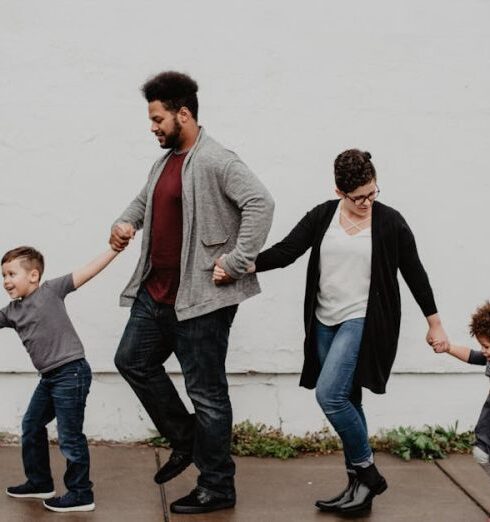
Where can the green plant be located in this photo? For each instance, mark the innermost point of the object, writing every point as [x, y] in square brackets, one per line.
[433, 442]
[259, 440]
[8, 438]
[158, 442]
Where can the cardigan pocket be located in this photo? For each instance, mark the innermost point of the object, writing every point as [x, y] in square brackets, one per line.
[212, 249]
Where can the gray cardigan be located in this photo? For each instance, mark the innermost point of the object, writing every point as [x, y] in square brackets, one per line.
[226, 210]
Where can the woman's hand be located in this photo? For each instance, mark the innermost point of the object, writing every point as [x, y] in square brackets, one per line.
[436, 336]
[440, 347]
[220, 277]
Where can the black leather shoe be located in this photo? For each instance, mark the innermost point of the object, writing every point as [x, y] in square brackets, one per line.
[201, 500]
[332, 504]
[174, 466]
[368, 484]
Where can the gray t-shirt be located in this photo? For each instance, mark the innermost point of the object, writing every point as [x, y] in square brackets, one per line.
[477, 357]
[43, 324]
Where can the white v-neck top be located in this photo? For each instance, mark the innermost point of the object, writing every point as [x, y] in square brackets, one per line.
[345, 274]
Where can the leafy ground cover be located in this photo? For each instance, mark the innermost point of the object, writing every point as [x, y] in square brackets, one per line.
[259, 440]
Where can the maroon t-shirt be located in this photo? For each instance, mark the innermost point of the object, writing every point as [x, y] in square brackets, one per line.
[166, 233]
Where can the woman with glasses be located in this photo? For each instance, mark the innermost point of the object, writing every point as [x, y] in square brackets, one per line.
[352, 309]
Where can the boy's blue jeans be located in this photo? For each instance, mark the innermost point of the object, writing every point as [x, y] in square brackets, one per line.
[338, 349]
[61, 394]
[200, 344]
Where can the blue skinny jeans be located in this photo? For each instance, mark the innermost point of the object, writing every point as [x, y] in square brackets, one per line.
[338, 349]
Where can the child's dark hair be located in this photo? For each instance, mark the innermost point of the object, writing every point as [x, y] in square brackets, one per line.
[175, 90]
[480, 321]
[353, 168]
[30, 258]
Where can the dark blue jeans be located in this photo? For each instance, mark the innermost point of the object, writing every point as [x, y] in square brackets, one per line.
[200, 344]
[61, 394]
[338, 349]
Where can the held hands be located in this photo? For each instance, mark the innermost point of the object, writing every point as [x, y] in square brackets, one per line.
[121, 234]
[439, 347]
[437, 338]
[220, 277]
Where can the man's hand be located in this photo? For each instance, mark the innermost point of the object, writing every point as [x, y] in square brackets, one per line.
[121, 234]
[220, 277]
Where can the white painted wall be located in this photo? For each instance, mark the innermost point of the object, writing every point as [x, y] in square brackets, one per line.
[113, 413]
[287, 88]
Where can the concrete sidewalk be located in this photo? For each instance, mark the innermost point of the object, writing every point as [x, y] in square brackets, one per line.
[269, 490]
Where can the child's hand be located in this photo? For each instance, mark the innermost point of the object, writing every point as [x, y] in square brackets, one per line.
[440, 347]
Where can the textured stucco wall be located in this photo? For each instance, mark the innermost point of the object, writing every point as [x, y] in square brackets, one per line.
[287, 87]
[113, 412]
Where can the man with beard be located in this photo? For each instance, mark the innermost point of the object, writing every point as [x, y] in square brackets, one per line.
[199, 202]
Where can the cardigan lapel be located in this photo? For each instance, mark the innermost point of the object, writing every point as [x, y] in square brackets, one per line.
[329, 214]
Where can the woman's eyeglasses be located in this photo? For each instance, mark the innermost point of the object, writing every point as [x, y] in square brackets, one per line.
[360, 200]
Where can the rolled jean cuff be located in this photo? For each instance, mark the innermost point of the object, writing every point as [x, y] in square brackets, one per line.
[365, 462]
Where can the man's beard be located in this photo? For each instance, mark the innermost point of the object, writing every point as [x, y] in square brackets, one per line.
[173, 139]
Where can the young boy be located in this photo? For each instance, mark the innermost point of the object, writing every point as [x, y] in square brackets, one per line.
[39, 316]
[479, 328]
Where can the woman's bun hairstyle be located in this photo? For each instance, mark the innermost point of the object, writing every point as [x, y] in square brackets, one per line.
[353, 169]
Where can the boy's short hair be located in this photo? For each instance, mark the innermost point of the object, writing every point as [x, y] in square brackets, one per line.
[30, 258]
[480, 321]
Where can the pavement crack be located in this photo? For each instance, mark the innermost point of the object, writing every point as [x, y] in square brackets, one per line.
[463, 489]
[163, 496]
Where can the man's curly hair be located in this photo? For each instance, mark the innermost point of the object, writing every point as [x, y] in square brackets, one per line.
[353, 168]
[174, 89]
[480, 321]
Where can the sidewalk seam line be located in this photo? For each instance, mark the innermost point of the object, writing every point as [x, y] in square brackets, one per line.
[163, 496]
[466, 492]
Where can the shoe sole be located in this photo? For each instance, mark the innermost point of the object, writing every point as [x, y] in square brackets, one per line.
[176, 473]
[43, 496]
[191, 510]
[328, 509]
[85, 507]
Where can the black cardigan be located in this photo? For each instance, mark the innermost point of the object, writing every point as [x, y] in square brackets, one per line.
[393, 248]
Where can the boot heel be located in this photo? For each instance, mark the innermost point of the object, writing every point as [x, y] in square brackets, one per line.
[382, 486]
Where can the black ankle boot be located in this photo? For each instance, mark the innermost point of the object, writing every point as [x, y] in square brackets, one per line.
[368, 484]
[332, 504]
